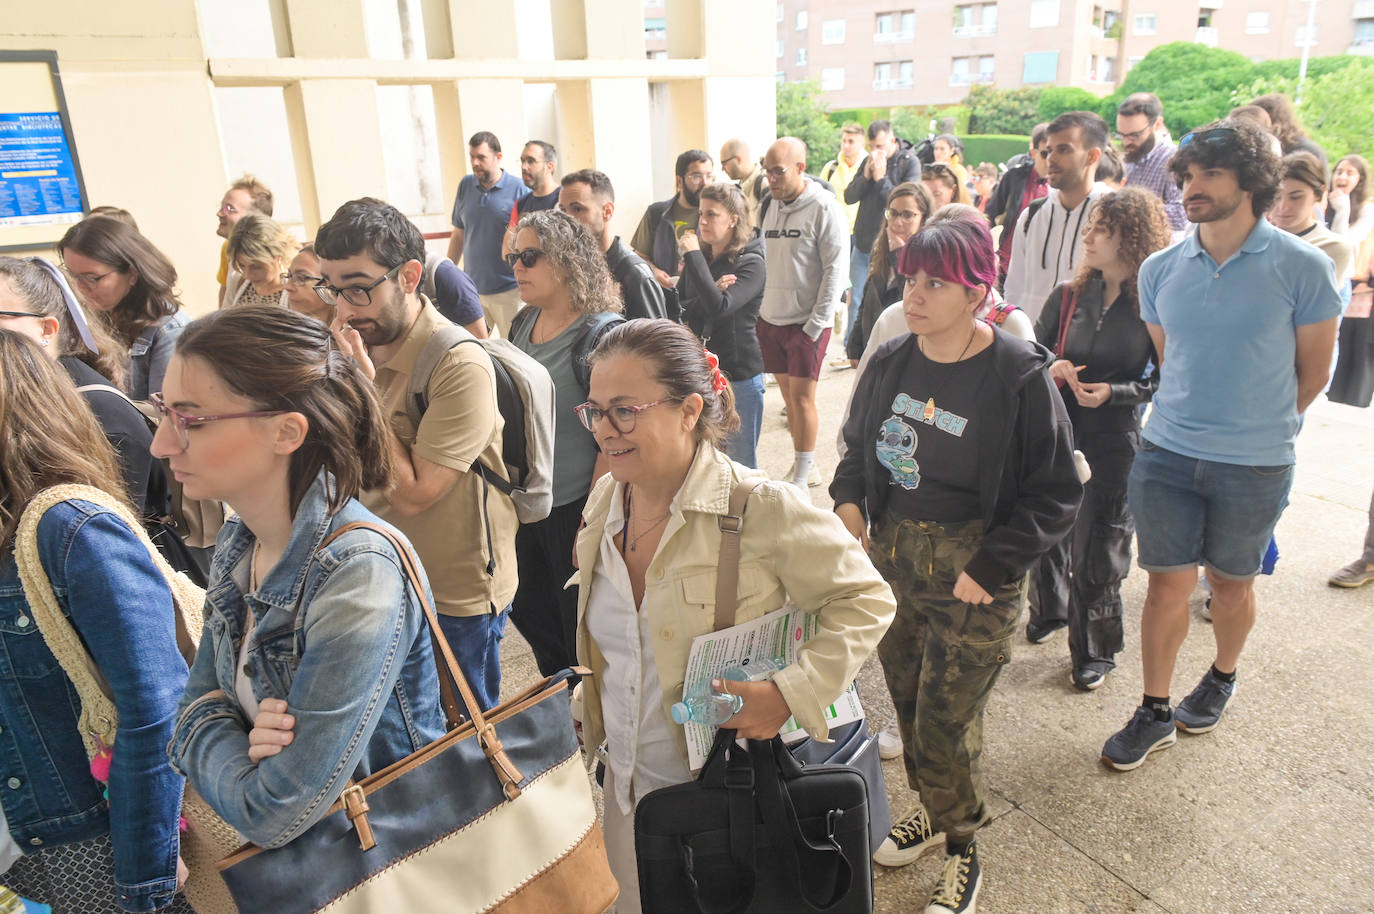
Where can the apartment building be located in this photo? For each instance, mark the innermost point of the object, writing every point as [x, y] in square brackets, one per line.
[874, 53]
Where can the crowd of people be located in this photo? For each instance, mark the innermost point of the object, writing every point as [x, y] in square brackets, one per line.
[1008, 326]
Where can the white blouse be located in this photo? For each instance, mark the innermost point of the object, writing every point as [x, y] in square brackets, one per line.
[642, 745]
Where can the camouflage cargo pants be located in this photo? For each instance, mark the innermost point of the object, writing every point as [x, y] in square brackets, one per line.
[941, 658]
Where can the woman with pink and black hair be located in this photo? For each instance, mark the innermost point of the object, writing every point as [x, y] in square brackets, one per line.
[958, 476]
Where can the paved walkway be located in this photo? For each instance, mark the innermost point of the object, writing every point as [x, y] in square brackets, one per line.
[1272, 812]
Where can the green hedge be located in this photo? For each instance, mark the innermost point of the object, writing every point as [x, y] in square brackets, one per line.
[992, 147]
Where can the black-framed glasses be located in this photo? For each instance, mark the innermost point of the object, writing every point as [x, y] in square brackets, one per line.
[357, 296]
[300, 278]
[87, 279]
[1215, 136]
[20, 314]
[526, 258]
[622, 418]
[896, 215]
[1134, 136]
[183, 423]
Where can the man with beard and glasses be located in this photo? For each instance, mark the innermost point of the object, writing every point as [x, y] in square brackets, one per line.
[481, 215]
[656, 238]
[538, 169]
[1243, 318]
[1145, 146]
[463, 529]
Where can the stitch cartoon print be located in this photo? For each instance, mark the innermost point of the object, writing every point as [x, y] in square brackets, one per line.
[896, 449]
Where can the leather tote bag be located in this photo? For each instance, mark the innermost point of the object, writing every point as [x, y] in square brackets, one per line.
[756, 833]
[496, 815]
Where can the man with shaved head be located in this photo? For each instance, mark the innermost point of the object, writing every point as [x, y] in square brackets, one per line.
[745, 171]
[806, 250]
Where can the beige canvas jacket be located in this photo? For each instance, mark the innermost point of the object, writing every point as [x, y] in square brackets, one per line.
[788, 548]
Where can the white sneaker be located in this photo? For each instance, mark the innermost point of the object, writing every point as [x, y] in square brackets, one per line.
[814, 478]
[889, 744]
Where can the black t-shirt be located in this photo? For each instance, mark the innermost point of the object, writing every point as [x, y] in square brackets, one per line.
[932, 454]
[534, 204]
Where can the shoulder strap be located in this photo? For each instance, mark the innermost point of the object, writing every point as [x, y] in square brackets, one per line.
[1032, 208]
[1068, 304]
[763, 208]
[506, 773]
[727, 570]
[417, 391]
[586, 341]
[109, 389]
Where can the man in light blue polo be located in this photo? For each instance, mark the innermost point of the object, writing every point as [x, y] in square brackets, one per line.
[481, 213]
[1244, 316]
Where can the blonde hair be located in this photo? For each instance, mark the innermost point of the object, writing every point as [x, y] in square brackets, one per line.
[258, 239]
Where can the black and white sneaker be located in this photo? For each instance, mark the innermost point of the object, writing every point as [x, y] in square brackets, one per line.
[957, 892]
[909, 839]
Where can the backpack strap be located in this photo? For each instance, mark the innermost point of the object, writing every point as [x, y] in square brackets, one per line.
[1031, 209]
[727, 567]
[1068, 304]
[587, 340]
[417, 391]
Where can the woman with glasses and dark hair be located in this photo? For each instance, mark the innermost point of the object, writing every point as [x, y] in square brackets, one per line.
[132, 286]
[721, 289]
[943, 184]
[563, 279]
[315, 667]
[958, 475]
[909, 205]
[67, 839]
[648, 559]
[1102, 351]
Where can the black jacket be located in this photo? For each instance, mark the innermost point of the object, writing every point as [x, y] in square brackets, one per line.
[871, 307]
[726, 320]
[871, 196]
[1006, 196]
[1114, 347]
[1028, 486]
[639, 290]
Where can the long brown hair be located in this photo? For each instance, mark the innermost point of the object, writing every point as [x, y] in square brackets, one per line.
[123, 248]
[280, 359]
[731, 198]
[878, 266]
[1137, 217]
[1360, 194]
[37, 288]
[48, 435]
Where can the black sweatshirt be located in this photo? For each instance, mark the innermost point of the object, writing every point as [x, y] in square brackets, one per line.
[726, 320]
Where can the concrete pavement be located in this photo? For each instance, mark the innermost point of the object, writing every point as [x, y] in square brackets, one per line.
[1271, 812]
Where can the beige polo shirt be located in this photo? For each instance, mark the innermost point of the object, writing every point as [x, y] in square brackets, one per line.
[461, 426]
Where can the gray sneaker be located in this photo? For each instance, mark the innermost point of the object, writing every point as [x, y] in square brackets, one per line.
[1128, 747]
[1356, 574]
[1201, 711]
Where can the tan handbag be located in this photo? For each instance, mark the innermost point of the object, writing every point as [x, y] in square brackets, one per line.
[209, 837]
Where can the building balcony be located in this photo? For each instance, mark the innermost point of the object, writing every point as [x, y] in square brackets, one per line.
[974, 31]
[1361, 48]
[887, 85]
[969, 79]
[1206, 36]
[892, 37]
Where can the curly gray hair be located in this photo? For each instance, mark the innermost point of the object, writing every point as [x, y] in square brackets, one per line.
[576, 259]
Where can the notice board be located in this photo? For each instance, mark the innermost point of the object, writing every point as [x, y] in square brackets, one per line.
[41, 189]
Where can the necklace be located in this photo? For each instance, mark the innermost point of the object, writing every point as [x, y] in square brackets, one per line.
[625, 538]
[929, 413]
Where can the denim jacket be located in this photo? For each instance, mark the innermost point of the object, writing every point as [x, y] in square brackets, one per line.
[150, 353]
[341, 637]
[117, 600]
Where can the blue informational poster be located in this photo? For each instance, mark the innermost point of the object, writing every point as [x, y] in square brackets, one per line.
[38, 183]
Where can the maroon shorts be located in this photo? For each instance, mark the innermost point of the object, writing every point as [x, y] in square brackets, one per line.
[788, 350]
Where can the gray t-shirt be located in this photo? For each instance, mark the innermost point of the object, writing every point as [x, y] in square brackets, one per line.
[574, 449]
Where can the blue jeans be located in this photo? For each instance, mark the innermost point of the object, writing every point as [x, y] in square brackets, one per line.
[476, 643]
[1190, 511]
[742, 446]
[858, 277]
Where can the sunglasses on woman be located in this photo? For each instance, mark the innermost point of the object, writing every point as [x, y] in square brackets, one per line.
[527, 258]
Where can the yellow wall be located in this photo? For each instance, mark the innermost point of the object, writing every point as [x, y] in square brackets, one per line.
[140, 91]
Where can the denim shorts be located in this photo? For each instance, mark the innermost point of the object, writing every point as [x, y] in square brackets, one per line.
[1190, 511]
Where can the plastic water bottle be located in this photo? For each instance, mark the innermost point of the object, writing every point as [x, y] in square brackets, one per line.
[702, 704]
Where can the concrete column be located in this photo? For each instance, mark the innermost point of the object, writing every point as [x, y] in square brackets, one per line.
[497, 105]
[482, 30]
[327, 28]
[610, 29]
[338, 158]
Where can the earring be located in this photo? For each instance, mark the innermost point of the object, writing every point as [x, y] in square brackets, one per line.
[45, 341]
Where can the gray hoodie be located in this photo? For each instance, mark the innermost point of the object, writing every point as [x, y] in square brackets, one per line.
[806, 249]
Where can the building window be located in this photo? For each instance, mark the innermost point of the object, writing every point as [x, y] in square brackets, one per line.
[1108, 72]
[905, 72]
[1257, 23]
[959, 74]
[801, 20]
[986, 68]
[780, 12]
[1364, 32]
[899, 25]
[893, 74]
[967, 70]
[801, 57]
[975, 19]
[655, 29]
[1145, 24]
[1040, 67]
[832, 31]
[1044, 13]
[990, 17]
[832, 79]
[781, 52]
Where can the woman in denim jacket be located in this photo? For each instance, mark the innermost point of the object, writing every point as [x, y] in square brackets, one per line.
[315, 665]
[65, 844]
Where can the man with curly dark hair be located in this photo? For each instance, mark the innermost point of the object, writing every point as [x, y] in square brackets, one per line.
[1228, 308]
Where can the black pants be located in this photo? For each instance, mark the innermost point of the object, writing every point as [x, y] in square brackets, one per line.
[544, 612]
[1079, 580]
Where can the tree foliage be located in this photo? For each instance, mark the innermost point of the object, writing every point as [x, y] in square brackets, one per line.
[1056, 100]
[1193, 81]
[1006, 111]
[802, 114]
[1337, 107]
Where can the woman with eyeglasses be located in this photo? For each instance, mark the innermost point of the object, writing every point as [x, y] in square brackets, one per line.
[259, 250]
[648, 559]
[909, 205]
[944, 185]
[300, 280]
[67, 839]
[721, 290]
[315, 666]
[132, 287]
[571, 300]
[958, 475]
